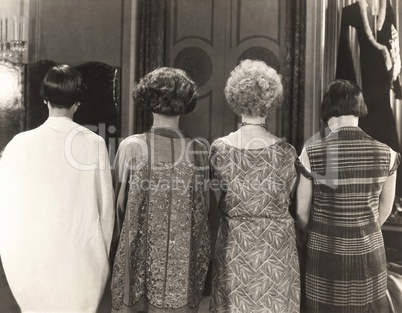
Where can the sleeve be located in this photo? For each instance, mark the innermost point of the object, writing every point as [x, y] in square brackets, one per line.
[293, 155]
[204, 162]
[200, 205]
[303, 164]
[201, 191]
[10, 177]
[217, 185]
[344, 62]
[105, 194]
[213, 161]
[6, 164]
[8, 303]
[292, 180]
[201, 179]
[120, 175]
[394, 167]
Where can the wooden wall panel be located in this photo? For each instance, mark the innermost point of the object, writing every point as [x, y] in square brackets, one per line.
[77, 31]
[208, 39]
[196, 44]
[198, 14]
[257, 19]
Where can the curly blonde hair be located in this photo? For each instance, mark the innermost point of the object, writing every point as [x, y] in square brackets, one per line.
[254, 89]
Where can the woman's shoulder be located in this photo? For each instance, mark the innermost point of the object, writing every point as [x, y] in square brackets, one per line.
[133, 143]
[376, 145]
[200, 144]
[134, 139]
[286, 149]
[221, 142]
[382, 149]
[285, 145]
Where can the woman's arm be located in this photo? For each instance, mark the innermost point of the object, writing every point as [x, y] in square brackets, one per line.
[105, 194]
[304, 192]
[303, 202]
[214, 183]
[388, 192]
[120, 174]
[387, 198]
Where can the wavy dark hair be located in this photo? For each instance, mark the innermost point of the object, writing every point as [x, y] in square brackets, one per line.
[62, 86]
[167, 91]
[342, 97]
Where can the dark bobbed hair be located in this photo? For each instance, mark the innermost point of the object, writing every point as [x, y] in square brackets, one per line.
[167, 91]
[62, 86]
[342, 97]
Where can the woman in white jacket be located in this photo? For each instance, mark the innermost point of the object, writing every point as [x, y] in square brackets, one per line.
[56, 212]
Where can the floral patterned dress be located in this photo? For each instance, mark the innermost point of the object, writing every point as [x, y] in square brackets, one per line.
[255, 267]
[162, 234]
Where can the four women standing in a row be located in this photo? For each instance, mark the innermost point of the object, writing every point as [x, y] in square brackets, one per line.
[56, 233]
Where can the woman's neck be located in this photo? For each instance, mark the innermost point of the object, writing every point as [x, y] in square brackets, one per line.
[252, 129]
[343, 121]
[62, 112]
[161, 120]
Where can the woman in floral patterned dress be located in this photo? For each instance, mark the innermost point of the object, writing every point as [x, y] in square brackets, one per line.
[255, 265]
[162, 234]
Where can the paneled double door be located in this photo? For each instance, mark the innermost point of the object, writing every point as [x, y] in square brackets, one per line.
[207, 39]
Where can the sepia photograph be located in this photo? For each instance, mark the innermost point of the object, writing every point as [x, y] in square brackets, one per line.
[200, 156]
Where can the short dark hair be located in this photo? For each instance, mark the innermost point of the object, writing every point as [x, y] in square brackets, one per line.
[62, 86]
[167, 91]
[342, 97]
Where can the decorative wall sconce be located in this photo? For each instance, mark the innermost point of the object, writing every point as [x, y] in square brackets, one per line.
[12, 48]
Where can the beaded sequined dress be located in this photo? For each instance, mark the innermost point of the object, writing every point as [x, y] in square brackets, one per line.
[255, 266]
[162, 232]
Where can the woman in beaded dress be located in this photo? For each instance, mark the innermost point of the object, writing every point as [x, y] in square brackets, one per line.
[161, 233]
[255, 266]
[345, 194]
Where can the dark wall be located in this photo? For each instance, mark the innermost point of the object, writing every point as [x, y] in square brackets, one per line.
[77, 31]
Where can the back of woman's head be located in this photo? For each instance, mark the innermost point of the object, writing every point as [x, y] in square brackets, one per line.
[62, 86]
[254, 89]
[167, 91]
[342, 97]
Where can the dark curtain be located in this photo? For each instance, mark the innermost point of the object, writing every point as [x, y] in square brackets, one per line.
[294, 73]
[100, 102]
[151, 48]
[293, 106]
